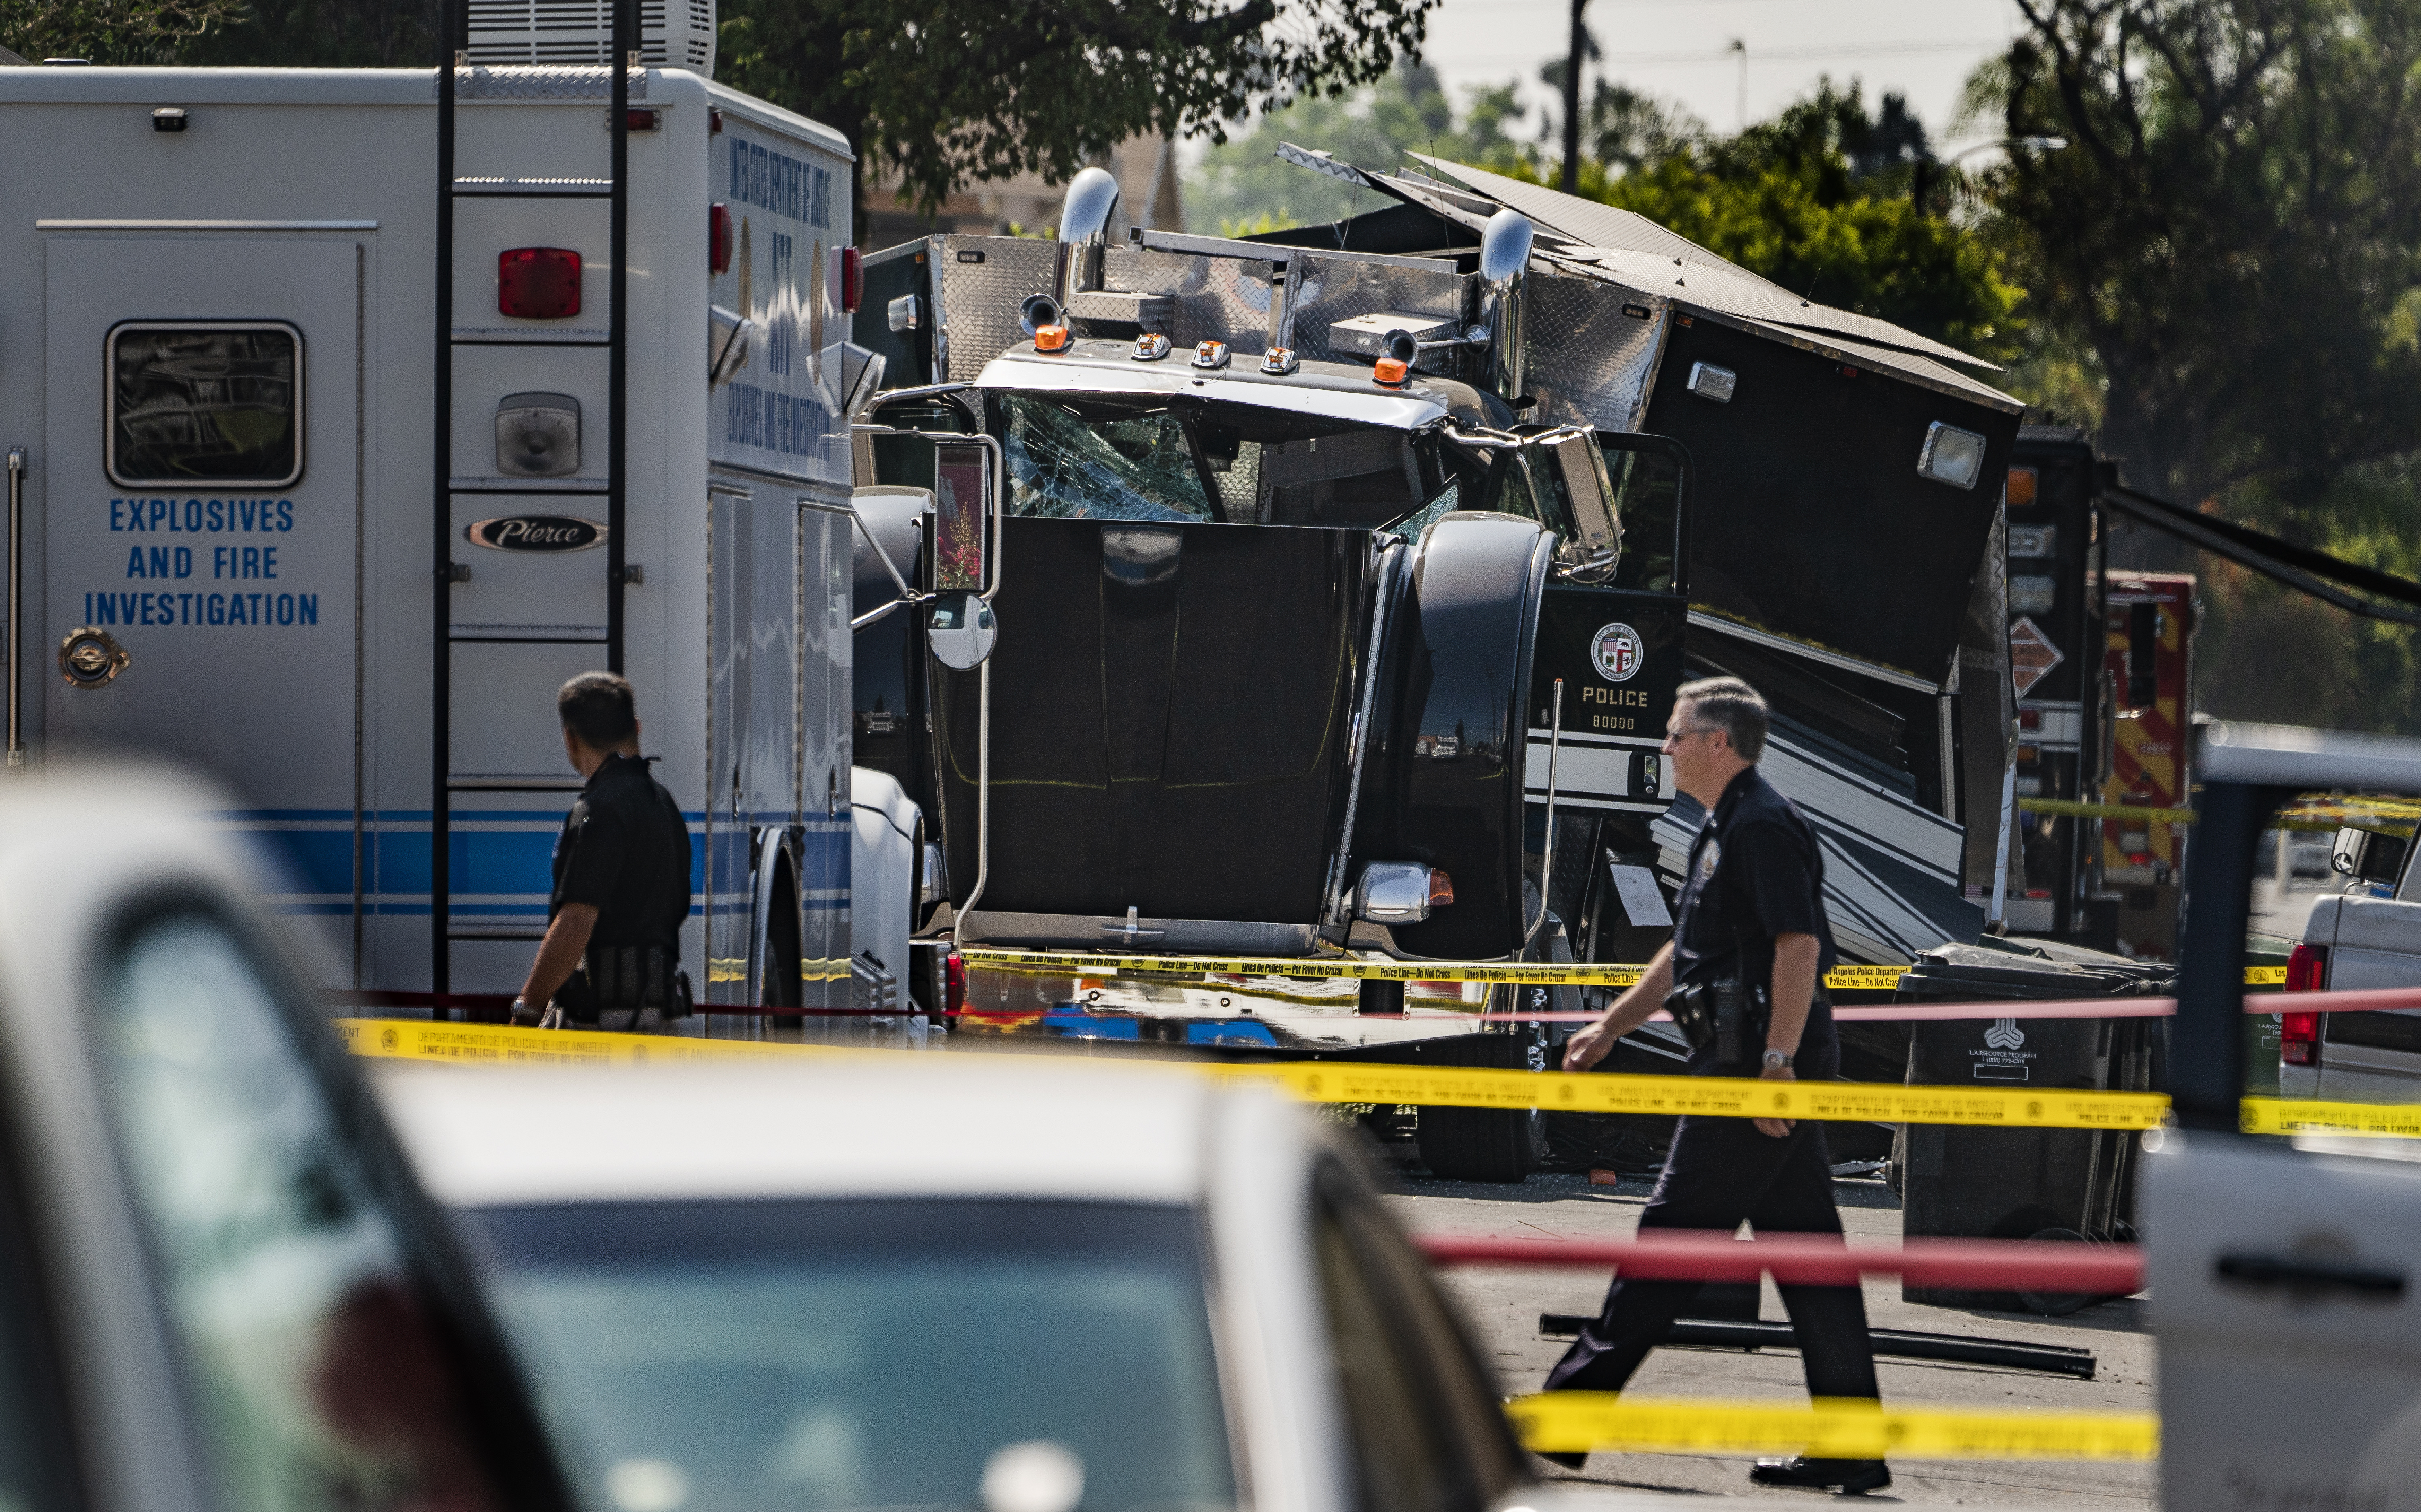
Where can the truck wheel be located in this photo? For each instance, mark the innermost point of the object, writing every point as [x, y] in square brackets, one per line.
[1483, 1144]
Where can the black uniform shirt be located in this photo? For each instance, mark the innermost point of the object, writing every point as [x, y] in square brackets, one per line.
[624, 851]
[1756, 873]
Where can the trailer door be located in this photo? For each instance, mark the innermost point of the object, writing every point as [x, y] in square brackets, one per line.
[200, 500]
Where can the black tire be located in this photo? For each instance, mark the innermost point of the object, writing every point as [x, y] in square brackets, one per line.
[782, 947]
[1483, 1144]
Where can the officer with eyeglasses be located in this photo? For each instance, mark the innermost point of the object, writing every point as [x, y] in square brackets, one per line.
[1743, 977]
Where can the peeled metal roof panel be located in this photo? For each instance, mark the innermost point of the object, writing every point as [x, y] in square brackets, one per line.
[1628, 235]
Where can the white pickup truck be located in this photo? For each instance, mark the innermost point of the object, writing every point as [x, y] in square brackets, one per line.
[2369, 936]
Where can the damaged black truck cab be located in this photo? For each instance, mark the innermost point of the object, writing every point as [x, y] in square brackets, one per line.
[1289, 640]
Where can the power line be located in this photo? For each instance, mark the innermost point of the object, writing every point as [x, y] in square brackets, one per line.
[1616, 60]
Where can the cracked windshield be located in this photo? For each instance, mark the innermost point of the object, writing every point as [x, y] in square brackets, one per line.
[1116, 458]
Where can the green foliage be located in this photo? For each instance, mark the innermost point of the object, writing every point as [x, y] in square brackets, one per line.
[2235, 230]
[1824, 199]
[1243, 184]
[945, 92]
[112, 31]
[2232, 241]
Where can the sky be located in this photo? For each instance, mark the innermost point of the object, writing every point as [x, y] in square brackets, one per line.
[1924, 48]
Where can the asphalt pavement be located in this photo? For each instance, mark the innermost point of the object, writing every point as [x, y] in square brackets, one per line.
[1503, 1304]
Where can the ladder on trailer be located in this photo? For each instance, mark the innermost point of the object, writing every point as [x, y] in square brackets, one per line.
[622, 64]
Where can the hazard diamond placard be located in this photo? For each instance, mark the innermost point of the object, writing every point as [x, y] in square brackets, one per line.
[2031, 653]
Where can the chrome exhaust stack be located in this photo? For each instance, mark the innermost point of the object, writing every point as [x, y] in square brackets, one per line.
[1084, 219]
[1504, 274]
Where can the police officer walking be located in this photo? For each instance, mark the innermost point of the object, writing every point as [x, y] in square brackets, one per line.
[1743, 976]
[611, 957]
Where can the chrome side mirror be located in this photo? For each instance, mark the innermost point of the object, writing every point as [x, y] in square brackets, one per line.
[962, 508]
[1594, 550]
[961, 628]
[2345, 854]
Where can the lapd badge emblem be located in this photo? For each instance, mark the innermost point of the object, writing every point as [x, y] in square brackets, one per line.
[1618, 652]
[1708, 857]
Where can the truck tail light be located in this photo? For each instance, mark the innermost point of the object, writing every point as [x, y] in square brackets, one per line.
[954, 984]
[852, 279]
[2299, 1034]
[2298, 1039]
[538, 283]
[2308, 969]
[718, 237]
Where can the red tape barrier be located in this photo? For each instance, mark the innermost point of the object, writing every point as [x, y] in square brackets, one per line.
[1975, 1264]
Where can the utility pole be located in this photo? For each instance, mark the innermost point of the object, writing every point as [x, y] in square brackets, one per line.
[1572, 101]
[1740, 47]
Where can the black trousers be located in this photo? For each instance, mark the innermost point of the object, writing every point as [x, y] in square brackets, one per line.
[1720, 1172]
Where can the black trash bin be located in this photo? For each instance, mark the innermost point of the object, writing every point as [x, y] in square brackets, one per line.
[2023, 1183]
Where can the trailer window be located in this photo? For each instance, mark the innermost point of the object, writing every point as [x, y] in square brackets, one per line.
[205, 402]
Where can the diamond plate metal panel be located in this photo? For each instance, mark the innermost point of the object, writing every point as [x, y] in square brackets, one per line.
[982, 300]
[1227, 299]
[1588, 362]
[540, 81]
[1218, 299]
[1336, 289]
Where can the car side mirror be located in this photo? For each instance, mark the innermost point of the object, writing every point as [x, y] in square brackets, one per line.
[1594, 549]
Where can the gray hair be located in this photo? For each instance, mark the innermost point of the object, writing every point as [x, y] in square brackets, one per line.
[1730, 705]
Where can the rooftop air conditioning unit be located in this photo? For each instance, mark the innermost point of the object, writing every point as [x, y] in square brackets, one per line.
[672, 34]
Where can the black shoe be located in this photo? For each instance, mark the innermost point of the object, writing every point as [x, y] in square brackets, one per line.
[1566, 1457]
[1849, 1476]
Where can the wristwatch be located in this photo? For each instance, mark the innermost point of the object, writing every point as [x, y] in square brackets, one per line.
[1779, 1060]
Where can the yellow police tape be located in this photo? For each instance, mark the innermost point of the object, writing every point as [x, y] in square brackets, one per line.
[479, 1044]
[1833, 1428]
[1861, 978]
[1709, 1096]
[2293, 1115]
[1352, 1082]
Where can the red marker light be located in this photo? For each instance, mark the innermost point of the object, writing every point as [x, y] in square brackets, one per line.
[718, 237]
[538, 283]
[852, 279]
[954, 984]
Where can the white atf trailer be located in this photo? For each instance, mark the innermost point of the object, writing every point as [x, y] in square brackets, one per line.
[281, 520]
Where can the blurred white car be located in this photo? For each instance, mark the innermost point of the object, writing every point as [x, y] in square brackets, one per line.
[220, 1291]
[877, 1283]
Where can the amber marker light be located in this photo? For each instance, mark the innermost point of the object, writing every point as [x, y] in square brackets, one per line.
[1051, 338]
[1391, 371]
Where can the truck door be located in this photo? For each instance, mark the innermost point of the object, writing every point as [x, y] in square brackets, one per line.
[201, 498]
[2288, 1324]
